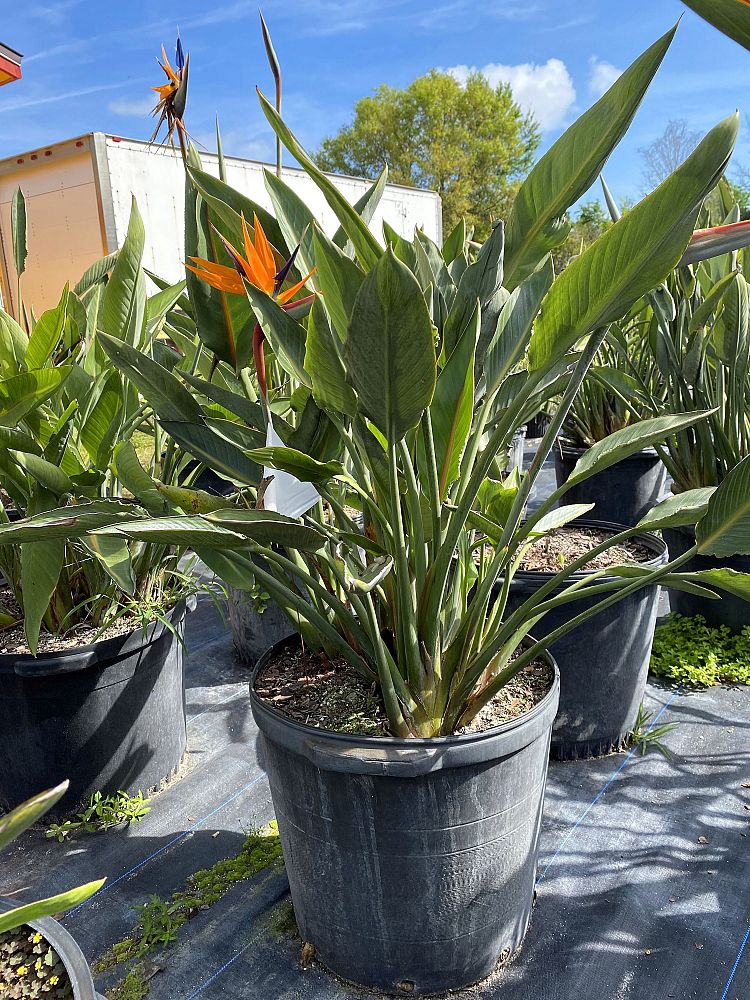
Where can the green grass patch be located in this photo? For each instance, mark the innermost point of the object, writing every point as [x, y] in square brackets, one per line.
[687, 651]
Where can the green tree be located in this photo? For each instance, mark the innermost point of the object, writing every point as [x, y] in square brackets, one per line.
[469, 141]
[587, 225]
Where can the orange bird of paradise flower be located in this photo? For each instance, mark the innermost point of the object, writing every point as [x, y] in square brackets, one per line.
[173, 94]
[258, 266]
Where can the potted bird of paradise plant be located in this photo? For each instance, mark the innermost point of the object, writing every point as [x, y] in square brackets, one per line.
[406, 726]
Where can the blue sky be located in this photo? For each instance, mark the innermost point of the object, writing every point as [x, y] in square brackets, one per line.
[88, 65]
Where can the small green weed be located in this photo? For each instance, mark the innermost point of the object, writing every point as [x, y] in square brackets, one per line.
[687, 651]
[133, 986]
[102, 813]
[644, 739]
[160, 920]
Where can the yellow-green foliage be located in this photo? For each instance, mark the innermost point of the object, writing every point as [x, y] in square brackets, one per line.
[688, 651]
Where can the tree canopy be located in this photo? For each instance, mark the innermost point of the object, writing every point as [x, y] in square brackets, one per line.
[470, 142]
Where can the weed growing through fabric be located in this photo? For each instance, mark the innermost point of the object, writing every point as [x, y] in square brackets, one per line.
[644, 739]
[160, 919]
[688, 651]
[102, 813]
[133, 986]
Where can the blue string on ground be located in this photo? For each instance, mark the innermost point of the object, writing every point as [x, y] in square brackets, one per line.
[733, 973]
[175, 840]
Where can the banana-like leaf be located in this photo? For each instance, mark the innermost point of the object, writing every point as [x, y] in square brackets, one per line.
[634, 255]
[102, 425]
[47, 333]
[134, 478]
[13, 343]
[724, 530]
[124, 303]
[365, 207]
[732, 17]
[686, 582]
[247, 410]
[284, 334]
[681, 509]
[366, 246]
[230, 205]
[49, 476]
[94, 274]
[324, 366]
[166, 394]
[514, 324]
[295, 220]
[18, 230]
[724, 578]
[182, 531]
[67, 522]
[559, 516]
[390, 353]
[214, 451]
[297, 464]
[453, 404]
[340, 280]
[455, 242]
[48, 907]
[537, 220]
[265, 527]
[192, 501]
[628, 441]
[14, 823]
[41, 565]
[114, 556]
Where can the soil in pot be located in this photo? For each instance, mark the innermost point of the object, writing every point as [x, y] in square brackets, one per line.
[411, 863]
[604, 661]
[327, 693]
[31, 968]
[623, 493]
[108, 715]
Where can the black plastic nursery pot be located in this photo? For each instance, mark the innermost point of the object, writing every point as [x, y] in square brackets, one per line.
[603, 662]
[729, 610]
[107, 716]
[623, 493]
[70, 954]
[411, 863]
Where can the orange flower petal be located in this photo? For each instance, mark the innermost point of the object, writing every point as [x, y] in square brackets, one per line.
[289, 292]
[261, 278]
[264, 247]
[168, 69]
[231, 282]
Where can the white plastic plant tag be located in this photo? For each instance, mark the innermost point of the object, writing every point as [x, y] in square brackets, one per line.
[285, 494]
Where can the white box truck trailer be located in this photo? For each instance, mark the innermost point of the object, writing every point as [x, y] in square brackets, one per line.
[78, 195]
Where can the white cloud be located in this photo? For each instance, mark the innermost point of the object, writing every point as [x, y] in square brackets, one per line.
[546, 90]
[602, 75]
[132, 108]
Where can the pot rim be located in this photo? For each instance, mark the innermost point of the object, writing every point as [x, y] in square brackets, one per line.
[66, 947]
[568, 448]
[99, 652]
[400, 756]
[648, 538]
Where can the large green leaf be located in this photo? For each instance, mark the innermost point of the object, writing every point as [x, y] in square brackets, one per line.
[181, 531]
[514, 324]
[340, 280]
[47, 907]
[297, 464]
[114, 556]
[324, 366]
[103, 422]
[681, 509]
[266, 527]
[634, 255]
[165, 393]
[537, 221]
[94, 274]
[366, 246]
[390, 351]
[246, 409]
[214, 451]
[724, 530]
[295, 219]
[453, 404]
[724, 578]
[47, 333]
[365, 207]
[13, 343]
[732, 17]
[66, 522]
[22, 393]
[18, 230]
[41, 564]
[628, 441]
[124, 303]
[49, 476]
[285, 335]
